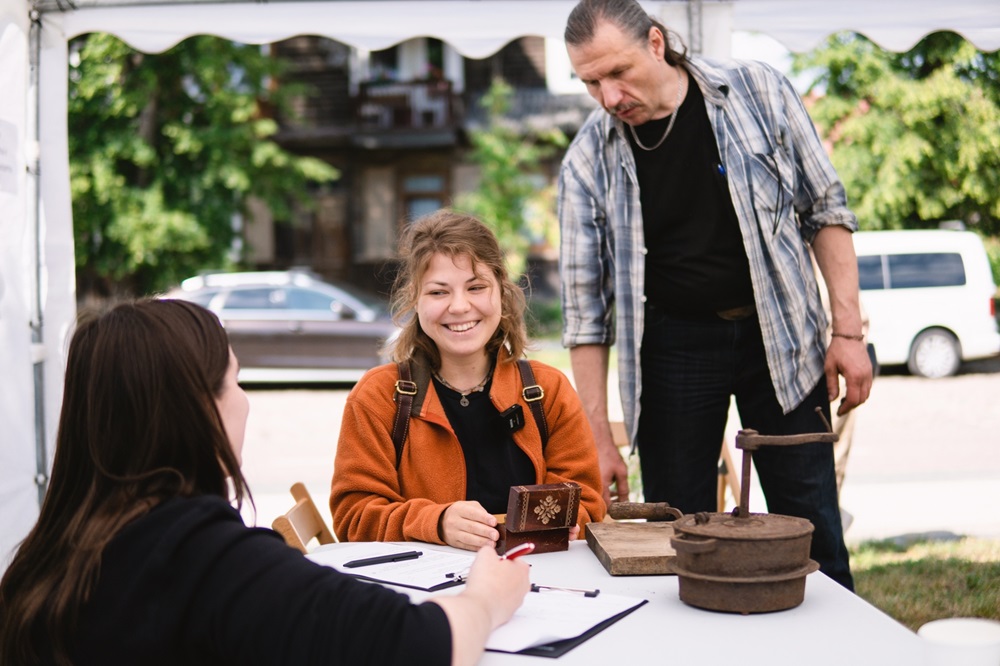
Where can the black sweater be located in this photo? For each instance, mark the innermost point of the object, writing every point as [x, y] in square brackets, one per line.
[189, 583]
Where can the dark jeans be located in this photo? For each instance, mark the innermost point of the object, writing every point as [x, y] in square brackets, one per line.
[690, 368]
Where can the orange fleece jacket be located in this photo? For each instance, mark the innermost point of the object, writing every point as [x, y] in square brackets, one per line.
[371, 500]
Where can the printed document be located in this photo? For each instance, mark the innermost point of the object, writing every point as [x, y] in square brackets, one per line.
[429, 572]
[553, 615]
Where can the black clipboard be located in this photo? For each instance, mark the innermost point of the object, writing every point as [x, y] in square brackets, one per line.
[557, 649]
[451, 582]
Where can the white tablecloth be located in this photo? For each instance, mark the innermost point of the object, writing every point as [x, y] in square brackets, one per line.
[831, 627]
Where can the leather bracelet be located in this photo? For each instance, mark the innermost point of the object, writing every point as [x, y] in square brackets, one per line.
[859, 338]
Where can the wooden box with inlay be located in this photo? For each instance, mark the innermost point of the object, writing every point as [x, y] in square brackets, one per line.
[541, 514]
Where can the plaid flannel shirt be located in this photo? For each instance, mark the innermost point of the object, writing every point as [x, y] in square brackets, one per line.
[784, 190]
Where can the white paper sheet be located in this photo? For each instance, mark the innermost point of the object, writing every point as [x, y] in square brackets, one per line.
[427, 572]
[552, 615]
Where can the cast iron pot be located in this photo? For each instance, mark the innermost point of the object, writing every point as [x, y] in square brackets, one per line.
[755, 594]
[719, 544]
[744, 562]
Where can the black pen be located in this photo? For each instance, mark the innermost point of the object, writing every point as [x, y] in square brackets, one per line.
[384, 559]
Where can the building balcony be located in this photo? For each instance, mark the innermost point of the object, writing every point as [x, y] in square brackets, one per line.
[389, 105]
[383, 115]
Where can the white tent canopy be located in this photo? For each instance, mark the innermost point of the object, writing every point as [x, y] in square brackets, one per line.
[37, 292]
[800, 25]
[477, 29]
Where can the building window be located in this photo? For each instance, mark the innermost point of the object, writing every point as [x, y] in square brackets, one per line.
[384, 65]
[415, 59]
[422, 194]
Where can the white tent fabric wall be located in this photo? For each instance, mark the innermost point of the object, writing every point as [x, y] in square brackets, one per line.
[895, 25]
[18, 494]
[475, 28]
[478, 28]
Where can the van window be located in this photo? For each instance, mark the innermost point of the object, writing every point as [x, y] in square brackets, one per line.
[911, 271]
[939, 269]
[870, 272]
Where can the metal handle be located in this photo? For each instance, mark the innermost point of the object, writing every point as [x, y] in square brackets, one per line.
[751, 440]
[682, 545]
[649, 511]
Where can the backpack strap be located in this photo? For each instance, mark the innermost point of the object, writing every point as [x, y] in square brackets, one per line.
[533, 394]
[406, 388]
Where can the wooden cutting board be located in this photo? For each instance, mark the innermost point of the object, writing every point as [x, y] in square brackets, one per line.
[633, 549]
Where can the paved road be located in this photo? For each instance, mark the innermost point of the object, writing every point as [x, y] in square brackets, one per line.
[925, 457]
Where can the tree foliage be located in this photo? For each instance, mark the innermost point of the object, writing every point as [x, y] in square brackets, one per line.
[164, 151]
[508, 198]
[915, 135]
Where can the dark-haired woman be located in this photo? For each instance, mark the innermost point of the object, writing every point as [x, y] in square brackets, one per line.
[138, 556]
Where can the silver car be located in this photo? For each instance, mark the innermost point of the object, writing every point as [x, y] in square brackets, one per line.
[291, 326]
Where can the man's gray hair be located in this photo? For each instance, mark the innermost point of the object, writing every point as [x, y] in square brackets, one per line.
[627, 15]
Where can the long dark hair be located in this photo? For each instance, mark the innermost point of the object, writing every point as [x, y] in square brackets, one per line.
[455, 235]
[630, 18]
[139, 425]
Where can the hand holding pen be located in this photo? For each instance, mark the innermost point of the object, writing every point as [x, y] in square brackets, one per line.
[496, 588]
[502, 580]
[512, 554]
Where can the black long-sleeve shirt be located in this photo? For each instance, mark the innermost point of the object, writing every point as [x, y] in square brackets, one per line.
[189, 584]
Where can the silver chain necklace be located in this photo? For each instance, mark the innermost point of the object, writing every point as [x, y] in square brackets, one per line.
[475, 389]
[670, 125]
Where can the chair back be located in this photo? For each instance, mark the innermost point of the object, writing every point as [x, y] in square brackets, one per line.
[303, 522]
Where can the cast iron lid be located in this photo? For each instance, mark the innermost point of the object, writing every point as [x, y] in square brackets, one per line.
[755, 527]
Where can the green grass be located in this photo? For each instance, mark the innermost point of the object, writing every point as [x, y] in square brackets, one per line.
[923, 580]
[549, 350]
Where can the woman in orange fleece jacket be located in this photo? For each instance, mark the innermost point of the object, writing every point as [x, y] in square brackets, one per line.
[462, 321]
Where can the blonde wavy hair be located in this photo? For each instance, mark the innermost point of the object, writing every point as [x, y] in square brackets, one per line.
[452, 234]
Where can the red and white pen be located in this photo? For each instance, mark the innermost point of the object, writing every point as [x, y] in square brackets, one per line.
[518, 551]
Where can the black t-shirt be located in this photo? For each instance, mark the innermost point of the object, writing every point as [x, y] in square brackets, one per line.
[695, 262]
[189, 583]
[493, 462]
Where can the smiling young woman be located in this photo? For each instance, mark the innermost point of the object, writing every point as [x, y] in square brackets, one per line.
[462, 321]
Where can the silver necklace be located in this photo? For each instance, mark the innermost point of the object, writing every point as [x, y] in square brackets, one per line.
[670, 125]
[465, 394]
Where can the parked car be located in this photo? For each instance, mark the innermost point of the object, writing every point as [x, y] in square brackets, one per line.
[291, 326]
[929, 296]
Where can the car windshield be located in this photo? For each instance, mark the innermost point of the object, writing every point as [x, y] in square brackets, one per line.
[369, 299]
[202, 298]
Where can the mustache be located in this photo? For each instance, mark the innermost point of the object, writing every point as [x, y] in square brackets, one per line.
[618, 108]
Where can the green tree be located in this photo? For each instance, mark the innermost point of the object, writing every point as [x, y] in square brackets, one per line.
[915, 135]
[164, 151]
[508, 198]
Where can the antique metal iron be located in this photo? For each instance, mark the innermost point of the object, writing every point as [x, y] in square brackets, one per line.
[745, 562]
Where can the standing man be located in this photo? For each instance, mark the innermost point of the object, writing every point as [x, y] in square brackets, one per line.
[687, 207]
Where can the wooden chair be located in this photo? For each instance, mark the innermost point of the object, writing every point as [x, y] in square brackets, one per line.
[729, 477]
[303, 522]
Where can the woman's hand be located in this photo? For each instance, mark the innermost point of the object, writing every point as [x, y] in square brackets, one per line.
[468, 525]
[498, 585]
[574, 533]
[494, 591]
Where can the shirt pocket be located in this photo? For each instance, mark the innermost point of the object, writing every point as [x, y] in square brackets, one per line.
[771, 190]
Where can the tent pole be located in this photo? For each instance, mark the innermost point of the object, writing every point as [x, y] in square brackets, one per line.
[695, 34]
[34, 214]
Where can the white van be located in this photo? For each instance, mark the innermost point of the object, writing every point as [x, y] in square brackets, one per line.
[929, 296]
